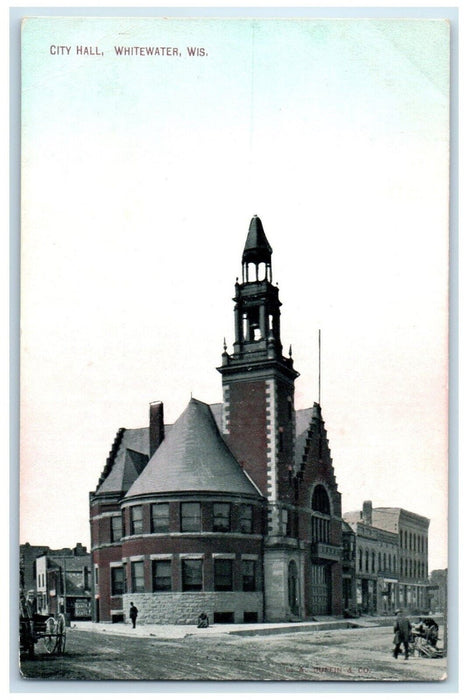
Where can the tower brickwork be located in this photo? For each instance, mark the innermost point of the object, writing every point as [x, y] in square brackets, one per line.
[258, 381]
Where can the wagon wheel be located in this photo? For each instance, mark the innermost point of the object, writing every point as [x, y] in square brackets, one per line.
[61, 633]
[50, 636]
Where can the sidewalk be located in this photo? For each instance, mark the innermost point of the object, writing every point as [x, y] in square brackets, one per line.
[244, 629]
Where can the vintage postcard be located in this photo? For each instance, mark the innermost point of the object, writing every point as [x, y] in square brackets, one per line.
[234, 348]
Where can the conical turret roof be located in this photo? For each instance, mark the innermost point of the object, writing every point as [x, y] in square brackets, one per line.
[256, 249]
[193, 457]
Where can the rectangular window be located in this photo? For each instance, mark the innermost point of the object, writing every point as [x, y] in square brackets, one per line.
[96, 575]
[223, 575]
[162, 579]
[286, 522]
[246, 518]
[248, 575]
[136, 515]
[116, 528]
[221, 517]
[192, 575]
[160, 517]
[138, 577]
[117, 580]
[190, 517]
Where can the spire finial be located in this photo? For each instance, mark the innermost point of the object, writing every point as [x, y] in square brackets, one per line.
[224, 345]
[290, 351]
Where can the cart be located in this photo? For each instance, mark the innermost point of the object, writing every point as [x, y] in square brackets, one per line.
[33, 627]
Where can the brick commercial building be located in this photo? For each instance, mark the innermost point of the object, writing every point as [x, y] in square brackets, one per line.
[233, 510]
[391, 566]
[64, 584]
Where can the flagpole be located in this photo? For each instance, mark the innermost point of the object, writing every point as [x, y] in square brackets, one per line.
[319, 367]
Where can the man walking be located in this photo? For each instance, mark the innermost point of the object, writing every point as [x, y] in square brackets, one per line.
[402, 629]
[133, 614]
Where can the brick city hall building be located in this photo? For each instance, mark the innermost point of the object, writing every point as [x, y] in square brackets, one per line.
[234, 509]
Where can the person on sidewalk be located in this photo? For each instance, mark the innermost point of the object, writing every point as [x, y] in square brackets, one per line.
[203, 621]
[133, 614]
[402, 630]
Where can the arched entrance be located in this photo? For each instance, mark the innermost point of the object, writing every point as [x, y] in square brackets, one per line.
[293, 588]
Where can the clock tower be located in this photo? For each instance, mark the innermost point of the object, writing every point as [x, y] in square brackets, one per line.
[258, 385]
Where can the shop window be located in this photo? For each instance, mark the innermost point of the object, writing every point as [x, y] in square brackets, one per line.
[138, 577]
[116, 528]
[192, 575]
[117, 580]
[223, 574]
[221, 517]
[248, 575]
[246, 518]
[162, 579]
[190, 517]
[160, 517]
[136, 520]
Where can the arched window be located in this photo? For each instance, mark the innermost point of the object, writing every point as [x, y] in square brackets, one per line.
[367, 560]
[373, 562]
[379, 559]
[320, 524]
[320, 500]
[360, 559]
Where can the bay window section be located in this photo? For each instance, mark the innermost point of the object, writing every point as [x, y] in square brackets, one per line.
[160, 517]
[190, 517]
[221, 517]
[162, 579]
[138, 577]
[192, 577]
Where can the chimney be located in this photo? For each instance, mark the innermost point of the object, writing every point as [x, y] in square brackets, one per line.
[367, 512]
[156, 426]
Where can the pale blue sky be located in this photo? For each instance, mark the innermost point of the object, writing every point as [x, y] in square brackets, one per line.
[140, 176]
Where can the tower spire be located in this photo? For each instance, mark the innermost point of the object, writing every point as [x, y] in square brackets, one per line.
[257, 250]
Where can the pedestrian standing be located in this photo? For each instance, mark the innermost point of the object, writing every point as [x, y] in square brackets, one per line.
[133, 614]
[402, 630]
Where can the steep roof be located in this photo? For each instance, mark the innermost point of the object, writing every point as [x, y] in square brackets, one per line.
[303, 418]
[193, 457]
[256, 249]
[129, 455]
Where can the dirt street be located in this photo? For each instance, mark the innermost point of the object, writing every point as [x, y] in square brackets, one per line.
[354, 654]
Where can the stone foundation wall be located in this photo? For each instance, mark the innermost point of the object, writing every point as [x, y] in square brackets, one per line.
[184, 608]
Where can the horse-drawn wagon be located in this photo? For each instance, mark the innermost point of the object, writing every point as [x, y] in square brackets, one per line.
[33, 627]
